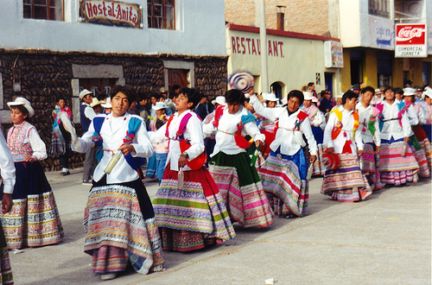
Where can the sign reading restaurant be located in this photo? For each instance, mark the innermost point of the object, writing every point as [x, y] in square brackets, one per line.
[252, 46]
[113, 13]
[411, 40]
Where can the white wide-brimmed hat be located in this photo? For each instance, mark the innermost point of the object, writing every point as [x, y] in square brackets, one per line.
[95, 102]
[107, 103]
[314, 99]
[159, 106]
[270, 97]
[21, 101]
[84, 92]
[428, 92]
[307, 95]
[409, 91]
[220, 100]
[340, 95]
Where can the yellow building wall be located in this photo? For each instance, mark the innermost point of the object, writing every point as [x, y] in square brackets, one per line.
[416, 71]
[370, 71]
[397, 75]
[346, 71]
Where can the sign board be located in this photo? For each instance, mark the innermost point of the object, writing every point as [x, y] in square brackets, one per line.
[411, 40]
[333, 54]
[381, 33]
[112, 13]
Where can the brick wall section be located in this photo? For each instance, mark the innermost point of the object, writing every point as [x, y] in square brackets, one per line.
[44, 76]
[304, 16]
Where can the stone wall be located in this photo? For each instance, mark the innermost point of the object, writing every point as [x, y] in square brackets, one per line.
[44, 75]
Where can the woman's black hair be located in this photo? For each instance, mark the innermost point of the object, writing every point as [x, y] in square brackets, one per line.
[22, 109]
[348, 95]
[192, 94]
[368, 89]
[58, 98]
[235, 96]
[297, 94]
[388, 88]
[398, 91]
[130, 94]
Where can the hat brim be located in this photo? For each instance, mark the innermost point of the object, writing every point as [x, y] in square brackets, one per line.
[28, 107]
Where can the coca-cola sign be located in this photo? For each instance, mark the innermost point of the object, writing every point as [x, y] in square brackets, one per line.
[411, 40]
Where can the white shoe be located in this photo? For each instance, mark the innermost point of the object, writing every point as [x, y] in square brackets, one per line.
[108, 276]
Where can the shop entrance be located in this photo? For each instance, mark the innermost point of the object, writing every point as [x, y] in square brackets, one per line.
[328, 79]
[277, 89]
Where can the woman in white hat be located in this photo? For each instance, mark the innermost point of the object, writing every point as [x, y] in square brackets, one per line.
[418, 138]
[119, 217]
[317, 120]
[397, 164]
[266, 126]
[156, 163]
[29, 224]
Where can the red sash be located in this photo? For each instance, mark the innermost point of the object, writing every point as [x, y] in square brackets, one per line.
[240, 140]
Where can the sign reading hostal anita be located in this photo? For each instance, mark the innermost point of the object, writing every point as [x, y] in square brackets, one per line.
[410, 40]
[113, 13]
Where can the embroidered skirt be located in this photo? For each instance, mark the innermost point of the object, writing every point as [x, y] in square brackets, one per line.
[396, 168]
[284, 181]
[241, 190]
[34, 219]
[369, 167]
[6, 277]
[191, 215]
[347, 183]
[120, 227]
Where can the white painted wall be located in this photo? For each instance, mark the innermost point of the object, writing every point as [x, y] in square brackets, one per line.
[302, 59]
[200, 31]
[359, 29]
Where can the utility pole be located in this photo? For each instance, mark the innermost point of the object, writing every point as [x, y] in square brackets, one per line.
[260, 19]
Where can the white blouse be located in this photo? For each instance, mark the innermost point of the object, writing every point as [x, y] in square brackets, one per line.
[365, 114]
[7, 167]
[37, 145]
[225, 132]
[392, 129]
[113, 131]
[193, 134]
[346, 134]
[287, 137]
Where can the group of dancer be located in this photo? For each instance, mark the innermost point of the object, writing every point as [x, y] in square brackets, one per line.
[263, 155]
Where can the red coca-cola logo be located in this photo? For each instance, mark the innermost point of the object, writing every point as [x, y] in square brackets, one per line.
[410, 34]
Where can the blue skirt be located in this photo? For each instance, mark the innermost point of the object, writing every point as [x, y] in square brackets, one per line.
[318, 134]
[298, 158]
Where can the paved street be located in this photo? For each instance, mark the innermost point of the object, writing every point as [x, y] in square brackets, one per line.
[386, 240]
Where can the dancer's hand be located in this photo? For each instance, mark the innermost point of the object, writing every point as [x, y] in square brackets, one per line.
[360, 152]
[183, 159]
[377, 150]
[258, 144]
[28, 158]
[329, 149]
[6, 203]
[312, 158]
[126, 148]
[249, 107]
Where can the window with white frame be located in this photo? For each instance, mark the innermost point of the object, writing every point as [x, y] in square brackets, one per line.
[43, 9]
[161, 14]
[379, 8]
